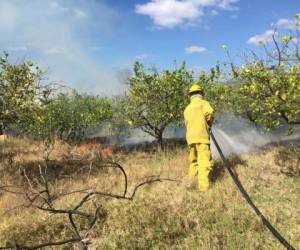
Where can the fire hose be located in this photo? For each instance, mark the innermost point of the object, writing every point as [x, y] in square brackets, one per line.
[246, 196]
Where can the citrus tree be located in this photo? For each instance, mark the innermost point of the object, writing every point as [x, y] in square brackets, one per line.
[19, 90]
[268, 97]
[156, 100]
[268, 90]
[68, 116]
[215, 89]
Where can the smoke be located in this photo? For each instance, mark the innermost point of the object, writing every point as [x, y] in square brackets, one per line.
[235, 135]
[65, 38]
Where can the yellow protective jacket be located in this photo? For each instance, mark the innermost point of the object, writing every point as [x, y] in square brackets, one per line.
[198, 117]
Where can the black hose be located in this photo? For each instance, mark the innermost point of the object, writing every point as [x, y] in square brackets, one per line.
[276, 234]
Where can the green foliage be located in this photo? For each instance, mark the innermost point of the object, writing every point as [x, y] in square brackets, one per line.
[267, 89]
[19, 90]
[269, 97]
[69, 116]
[156, 100]
[26, 106]
[216, 92]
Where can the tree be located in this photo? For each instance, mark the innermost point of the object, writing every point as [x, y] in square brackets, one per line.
[19, 90]
[156, 100]
[268, 90]
[215, 89]
[69, 116]
[268, 97]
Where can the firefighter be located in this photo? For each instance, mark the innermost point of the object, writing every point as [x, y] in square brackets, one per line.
[198, 116]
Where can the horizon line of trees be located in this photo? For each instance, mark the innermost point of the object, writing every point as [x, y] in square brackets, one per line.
[264, 89]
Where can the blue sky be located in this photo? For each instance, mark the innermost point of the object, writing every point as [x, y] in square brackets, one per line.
[91, 45]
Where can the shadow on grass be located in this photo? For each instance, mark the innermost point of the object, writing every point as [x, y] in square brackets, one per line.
[286, 156]
[150, 147]
[9, 150]
[56, 170]
[288, 160]
[66, 168]
[219, 168]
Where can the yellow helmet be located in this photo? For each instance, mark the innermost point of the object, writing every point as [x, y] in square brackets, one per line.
[195, 88]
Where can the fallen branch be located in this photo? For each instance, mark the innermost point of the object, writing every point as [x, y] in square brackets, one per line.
[40, 196]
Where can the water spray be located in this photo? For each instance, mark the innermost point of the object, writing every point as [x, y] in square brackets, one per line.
[246, 196]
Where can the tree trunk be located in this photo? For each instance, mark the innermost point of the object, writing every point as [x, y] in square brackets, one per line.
[160, 140]
[1, 129]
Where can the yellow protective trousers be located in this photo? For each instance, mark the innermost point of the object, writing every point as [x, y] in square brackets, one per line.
[200, 163]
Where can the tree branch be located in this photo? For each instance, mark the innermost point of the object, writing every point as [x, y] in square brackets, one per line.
[48, 198]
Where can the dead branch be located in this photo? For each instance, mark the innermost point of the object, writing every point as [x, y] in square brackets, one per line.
[39, 195]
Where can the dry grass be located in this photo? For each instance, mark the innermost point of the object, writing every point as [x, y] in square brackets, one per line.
[166, 215]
